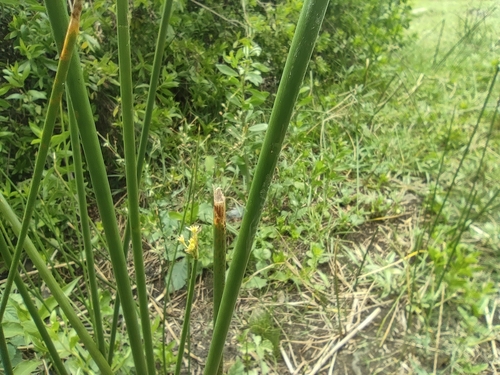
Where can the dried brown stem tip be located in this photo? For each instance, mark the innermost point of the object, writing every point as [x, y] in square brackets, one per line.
[219, 207]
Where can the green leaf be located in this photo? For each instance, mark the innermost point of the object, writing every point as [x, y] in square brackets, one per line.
[205, 212]
[59, 138]
[476, 369]
[11, 329]
[254, 77]
[175, 215]
[51, 302]
[260, 67]
[258, 128]
[37, 95]
[15, 96]
[237, 368]
[258, 97]
[4, 89]
[224, 69]
[255, 282]
[209, 163]
[35, 129]
[26, 367]
[179, 275]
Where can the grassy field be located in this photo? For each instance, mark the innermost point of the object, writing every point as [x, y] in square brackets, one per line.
[373, 211]
[378, 247]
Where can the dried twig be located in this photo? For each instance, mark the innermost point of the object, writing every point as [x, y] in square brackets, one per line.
[438, 335]
[342, 342]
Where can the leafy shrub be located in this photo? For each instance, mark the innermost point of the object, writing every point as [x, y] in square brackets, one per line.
[249, 38]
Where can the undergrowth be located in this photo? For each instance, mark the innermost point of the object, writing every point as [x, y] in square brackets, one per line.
[364, 209]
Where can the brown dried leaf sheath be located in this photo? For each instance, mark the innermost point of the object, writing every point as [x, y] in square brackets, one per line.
[219, 208]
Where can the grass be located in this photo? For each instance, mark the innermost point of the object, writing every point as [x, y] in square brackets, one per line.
[366, 169]
[346, 228]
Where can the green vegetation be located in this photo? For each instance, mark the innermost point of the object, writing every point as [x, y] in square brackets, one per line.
[384, 193]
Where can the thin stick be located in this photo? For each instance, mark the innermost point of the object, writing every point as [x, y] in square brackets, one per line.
[489, 321]
[438, 335]
[396, 309]
[287, 360]
[336, 288]
[342, 342]
[332, 364]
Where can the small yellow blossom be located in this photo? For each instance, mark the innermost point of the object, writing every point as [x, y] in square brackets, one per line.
[191, 247]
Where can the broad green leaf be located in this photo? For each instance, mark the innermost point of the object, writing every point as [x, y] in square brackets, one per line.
[205, 212]
[260, 67]
[258, 128]
[4, 89]
[254, 77]
[37, 95]
[11, 329]
[237, 368]
[59, 138]
[224, 69]
[179, 275]
[15, 96]
[175, 215]
[26, 367]
[255, 282]
[35, 129]
[51, 302]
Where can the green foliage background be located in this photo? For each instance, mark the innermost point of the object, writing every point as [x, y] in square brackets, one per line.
[252, 40]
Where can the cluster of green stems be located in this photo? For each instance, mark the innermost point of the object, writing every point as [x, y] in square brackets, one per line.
[84, 136]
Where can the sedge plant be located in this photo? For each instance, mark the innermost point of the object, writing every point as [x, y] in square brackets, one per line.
[48, 128]
[79, 99]
[310, 20]
[67, 47]
[96, 168]
[84, 134]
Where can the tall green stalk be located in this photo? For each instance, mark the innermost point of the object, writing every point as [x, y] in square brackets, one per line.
[58, 294]
[311, 18]
[90, 142]
[153, 84]
[219, 223]
[4, 354]
[30, 306]
[48, 128]
[134, 221]
[85, 227]
[192, 251]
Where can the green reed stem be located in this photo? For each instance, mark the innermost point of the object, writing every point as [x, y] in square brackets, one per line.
[134, 221]
[4, 354]
[187, 316]
[63, 301]
[153, 84]
[30, 306]
[219, 268]
[311, 18]
[48, 128]
[466, 150]
[85, 226]
[90, 142]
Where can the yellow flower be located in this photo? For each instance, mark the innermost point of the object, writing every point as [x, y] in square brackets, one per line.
[191, 247]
